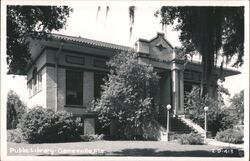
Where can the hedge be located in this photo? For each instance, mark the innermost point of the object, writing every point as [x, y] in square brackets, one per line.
[41, 125]
[230, 136]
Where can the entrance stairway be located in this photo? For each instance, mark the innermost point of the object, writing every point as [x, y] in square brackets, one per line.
[182, 125]
[178, 126]
[197, 128]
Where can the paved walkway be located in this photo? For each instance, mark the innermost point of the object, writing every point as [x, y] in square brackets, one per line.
[219, 143]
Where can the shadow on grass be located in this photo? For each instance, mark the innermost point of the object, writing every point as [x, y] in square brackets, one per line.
[191, 153]
[153, 152]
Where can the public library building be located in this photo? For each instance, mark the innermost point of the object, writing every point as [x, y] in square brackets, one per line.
[67, 73]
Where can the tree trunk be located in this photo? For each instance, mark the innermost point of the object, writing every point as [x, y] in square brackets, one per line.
[207, 48]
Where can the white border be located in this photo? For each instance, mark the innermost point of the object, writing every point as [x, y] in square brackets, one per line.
[119, 3]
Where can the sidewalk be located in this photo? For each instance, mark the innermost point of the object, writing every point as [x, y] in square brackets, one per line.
[219, 143]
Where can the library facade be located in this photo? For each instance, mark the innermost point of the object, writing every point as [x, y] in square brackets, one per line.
[67, 73]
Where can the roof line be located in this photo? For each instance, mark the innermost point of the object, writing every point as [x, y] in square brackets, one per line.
[195, 62]
[90, 42]
[158, 33]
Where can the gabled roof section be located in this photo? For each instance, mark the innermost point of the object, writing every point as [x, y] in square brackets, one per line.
[90, 42]
[158, 34]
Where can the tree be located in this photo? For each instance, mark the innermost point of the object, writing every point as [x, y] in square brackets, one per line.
[126, 95]
[236, 107]
[33, 21]
[218, 117]
[15, 109]
[208, 30]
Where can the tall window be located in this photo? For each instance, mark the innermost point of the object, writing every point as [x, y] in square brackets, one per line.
[39, 76]
[74, 87]
[34, 86]
[30, 88]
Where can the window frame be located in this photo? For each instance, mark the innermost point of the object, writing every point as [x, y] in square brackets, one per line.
[39, 81]
[68, 102]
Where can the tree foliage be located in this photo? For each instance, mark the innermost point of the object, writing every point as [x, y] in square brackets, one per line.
[236, 107]
[30, 20]
[218, 117]
[15, 109]
[127, 93]
[208, 30]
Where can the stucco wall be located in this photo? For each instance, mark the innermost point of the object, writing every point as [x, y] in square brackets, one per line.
[63, 65]
[166, 53]
[142, 47]
[88, 60]
[157, 48]
[39, 99]
[88, 91]
[51, 86]
[61, 89]
[38, 64]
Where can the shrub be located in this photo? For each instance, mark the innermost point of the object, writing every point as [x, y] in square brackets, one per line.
[42, 125]
[230, 136]
[15, 136]
[152, 130]
[217, 117]
[192, 139]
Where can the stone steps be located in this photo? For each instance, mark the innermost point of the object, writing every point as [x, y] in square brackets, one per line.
[181, 125]
[178, 126]
[197, 128]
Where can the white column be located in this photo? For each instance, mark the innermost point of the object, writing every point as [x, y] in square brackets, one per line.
[175, 90]
[181, 92]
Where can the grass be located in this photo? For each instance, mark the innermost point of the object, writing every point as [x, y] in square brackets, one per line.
[119, 148]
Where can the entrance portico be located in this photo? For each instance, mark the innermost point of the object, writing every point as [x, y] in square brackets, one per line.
[159, 53]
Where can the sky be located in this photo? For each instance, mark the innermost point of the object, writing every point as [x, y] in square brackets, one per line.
[114, 28]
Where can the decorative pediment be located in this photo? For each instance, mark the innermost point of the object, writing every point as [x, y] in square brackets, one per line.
[157, 48]
[160, 46]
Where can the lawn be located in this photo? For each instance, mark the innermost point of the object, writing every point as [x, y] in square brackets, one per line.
[119, 148]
